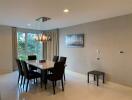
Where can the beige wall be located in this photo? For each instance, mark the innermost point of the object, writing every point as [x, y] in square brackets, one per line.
[5, 49]
[109, 36]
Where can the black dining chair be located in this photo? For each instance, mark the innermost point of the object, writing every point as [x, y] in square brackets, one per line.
[29, 74]
[32, 57]
[55, 58]
[63, 59]
[57, 75]
[20, 70]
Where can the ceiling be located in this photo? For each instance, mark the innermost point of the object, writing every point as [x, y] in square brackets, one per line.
[20, 13]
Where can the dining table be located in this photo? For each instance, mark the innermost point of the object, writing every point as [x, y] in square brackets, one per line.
[43, 65]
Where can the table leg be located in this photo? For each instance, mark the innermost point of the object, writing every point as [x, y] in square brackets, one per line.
[44, 76]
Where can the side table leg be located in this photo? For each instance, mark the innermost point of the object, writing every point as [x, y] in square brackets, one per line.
[94, 78]
[97, 80]
[88, 77]
[103, 78]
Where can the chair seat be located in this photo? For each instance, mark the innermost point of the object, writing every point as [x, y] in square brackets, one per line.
[52, 70]
[32, 67]
[53, 77]
[33, 75]
[21, 72]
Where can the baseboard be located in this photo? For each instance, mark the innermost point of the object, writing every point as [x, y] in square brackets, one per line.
[5, 71]
[84, 76]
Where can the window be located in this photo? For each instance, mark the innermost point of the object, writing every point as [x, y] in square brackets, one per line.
[26, 45]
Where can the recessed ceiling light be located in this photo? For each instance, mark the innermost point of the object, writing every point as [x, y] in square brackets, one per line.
[66, 10]
[28, 24]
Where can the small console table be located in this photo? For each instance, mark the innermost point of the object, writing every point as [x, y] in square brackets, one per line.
[97, 74]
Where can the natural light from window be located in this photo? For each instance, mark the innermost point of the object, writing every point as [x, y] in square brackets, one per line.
[26, 45]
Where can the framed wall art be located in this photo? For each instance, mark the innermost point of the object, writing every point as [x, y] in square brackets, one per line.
[74, 40]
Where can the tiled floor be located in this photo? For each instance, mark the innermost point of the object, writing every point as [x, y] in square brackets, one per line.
[76, 88]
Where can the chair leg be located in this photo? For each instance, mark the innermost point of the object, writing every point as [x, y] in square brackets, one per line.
[27, 85]
[45, 86]
[21, 80]
[62, 84]
[53, 87]
[34, 81]
[41, 82]
[18, 78]
[55, 83]
[24, 82]
[64, 76]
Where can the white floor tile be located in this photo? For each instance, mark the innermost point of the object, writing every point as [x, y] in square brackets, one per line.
[76, 88]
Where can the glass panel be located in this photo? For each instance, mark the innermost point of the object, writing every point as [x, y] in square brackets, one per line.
[27, 45]
[34, 47]
[39, 48]
[21, 45]
[31, 44]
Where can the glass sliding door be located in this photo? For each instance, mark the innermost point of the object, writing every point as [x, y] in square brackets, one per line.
[26, 45]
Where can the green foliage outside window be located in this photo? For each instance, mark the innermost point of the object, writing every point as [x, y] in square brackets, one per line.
[26, 45]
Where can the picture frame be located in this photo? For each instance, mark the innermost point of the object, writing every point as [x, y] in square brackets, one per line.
[74, 40]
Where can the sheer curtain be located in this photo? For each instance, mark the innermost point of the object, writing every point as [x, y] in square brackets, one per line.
[51, 48]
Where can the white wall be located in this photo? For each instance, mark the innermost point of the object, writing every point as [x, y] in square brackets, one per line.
[5, 49]
[109, 36]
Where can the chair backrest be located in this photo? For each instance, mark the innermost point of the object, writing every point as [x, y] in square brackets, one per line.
[20, 69]
[63, 59]
[32, 57]
[55, 58]
[59, 69]
[25, 69]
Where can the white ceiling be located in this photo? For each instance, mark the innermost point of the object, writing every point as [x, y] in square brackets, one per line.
[19, 13]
